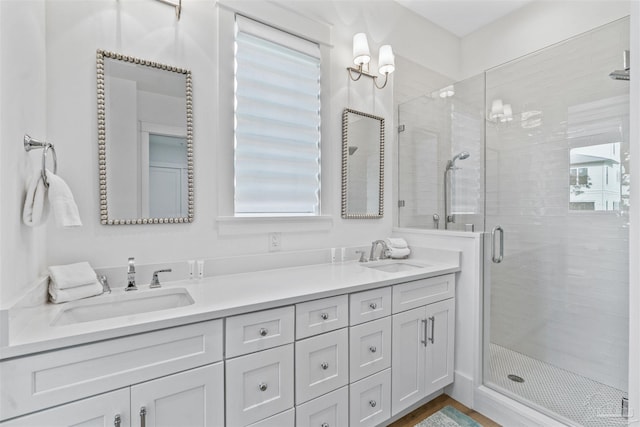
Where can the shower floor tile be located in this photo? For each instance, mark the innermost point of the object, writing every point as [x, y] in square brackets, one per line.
[571, 398]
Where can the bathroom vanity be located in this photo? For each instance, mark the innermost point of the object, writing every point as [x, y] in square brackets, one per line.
[329, 345]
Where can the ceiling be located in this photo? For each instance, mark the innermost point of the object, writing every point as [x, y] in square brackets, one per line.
[462, 17]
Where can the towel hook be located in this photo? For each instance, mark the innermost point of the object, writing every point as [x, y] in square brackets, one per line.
[30, 144]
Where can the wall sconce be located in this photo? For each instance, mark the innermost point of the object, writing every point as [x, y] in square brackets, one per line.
[500, 112]
[362, 57]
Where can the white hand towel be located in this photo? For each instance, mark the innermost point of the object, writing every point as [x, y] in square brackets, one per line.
[71, 275]
[396, 242]
[36, 207]
[72, 294]
[399, 252]
[62, 203]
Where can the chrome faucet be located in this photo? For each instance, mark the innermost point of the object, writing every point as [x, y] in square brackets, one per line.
[155, 282]
[383, 254]
[131, 276]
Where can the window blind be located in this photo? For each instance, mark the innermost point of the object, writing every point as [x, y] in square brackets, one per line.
[277, 122]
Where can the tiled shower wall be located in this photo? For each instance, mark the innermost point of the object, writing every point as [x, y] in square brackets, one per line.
[560, 295]
[435, 130]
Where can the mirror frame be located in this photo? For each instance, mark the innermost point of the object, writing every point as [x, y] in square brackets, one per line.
[102, 140]
[345, 157]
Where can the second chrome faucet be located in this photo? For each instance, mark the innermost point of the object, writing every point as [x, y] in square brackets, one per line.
[131, 276]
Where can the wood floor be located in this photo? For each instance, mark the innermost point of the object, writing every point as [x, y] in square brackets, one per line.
[434, 406]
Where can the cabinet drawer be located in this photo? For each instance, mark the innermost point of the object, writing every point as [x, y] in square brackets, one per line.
[259, 385]
[259, 331]
[283, 419]
[322, 364]
[370, 348]
[330, 410]
[323, 315]
[422, 292]
[369, 305]
[43, 380]
[370, 400]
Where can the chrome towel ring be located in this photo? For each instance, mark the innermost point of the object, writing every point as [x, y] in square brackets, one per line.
[30, 144]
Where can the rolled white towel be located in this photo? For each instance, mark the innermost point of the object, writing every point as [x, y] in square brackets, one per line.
[62, 203]
[399, 252]
[36, 206]
[71, 275]
[71, 294]
[396, 242]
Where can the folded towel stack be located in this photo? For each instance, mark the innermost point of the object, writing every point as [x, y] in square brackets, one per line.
[398, 247]
[72, 281]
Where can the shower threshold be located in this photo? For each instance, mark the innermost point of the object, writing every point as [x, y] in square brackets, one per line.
[566, 396]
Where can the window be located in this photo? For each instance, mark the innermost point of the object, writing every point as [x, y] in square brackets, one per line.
[276, 122]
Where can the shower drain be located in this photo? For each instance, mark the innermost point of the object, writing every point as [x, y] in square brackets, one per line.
[515, 378]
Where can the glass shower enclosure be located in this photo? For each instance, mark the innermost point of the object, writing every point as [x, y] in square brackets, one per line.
[547, 179]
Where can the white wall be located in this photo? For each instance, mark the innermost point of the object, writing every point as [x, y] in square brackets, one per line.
[532, 27]
[74, 30]
[22, 110]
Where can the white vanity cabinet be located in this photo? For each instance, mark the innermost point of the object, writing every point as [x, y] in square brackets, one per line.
[105, 410]
[144, 365]
[423, 340]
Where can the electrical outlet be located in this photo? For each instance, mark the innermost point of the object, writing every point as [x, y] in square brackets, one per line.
[275, 242]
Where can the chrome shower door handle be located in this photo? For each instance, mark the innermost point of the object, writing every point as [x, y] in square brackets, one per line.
[498, 259]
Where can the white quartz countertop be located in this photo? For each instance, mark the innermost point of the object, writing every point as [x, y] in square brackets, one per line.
[31, 329]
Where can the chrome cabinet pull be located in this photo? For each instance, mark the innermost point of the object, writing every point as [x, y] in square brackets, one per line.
[143, 416]
[372, 403]
[373, 306]
[324, 316]
[263, 332]
[324, 365]
[117, 420]
[373, 349]
[424, 341]
[498, 259]
[433, 323]
[262, 386]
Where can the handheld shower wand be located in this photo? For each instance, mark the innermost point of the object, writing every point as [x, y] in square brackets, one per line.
[451, 165]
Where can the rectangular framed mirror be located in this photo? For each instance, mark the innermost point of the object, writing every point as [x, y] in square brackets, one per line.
[145, 141]
[362, 165]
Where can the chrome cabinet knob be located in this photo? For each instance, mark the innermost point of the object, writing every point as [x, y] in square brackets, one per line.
[324, 365]
[373, 306]
[324, 425]
[373, 349]
[372, 403]
[263, 332]
[324, 316]
[262, 386]
[117, 420]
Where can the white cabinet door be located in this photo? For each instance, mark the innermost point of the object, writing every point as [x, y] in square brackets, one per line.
[408, 355]
[370, 400]
[259, 385]
[192, 398]
[440, 344]
[105, 410]
[322, 364]
[329, 410]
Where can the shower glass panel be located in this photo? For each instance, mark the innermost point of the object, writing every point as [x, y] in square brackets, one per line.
[557, 174]
[434, 129]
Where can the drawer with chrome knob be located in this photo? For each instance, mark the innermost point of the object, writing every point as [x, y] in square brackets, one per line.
[321, 315]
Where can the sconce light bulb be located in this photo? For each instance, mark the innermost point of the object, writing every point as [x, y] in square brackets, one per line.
[386, 60]
[361, 54]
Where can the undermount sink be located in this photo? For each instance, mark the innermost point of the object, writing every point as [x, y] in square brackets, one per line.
[126, 304]
[393, 266]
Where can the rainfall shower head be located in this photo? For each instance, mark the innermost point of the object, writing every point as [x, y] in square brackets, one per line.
[461, 155]
[622, 74]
